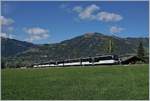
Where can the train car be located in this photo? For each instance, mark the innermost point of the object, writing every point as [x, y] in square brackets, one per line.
[98, 60]
[72, 62]
[52, 64]
[60, 63]
[106, 59]
[86, 61]
[46, 64]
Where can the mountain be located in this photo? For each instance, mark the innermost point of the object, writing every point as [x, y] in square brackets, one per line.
[12, 47]
[89, 44]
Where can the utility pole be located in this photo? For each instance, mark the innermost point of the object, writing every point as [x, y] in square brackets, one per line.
[110, 48]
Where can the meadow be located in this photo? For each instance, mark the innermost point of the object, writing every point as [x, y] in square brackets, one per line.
[76, 83]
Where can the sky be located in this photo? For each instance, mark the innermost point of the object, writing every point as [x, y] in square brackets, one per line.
[43, 22]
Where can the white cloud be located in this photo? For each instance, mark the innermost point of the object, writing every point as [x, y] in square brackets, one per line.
[6, 21]
[5, 35]
[115, 29]
[77, 9]
[36, 33]
[10, 29]
[6, 27]
[92, 12]
[86, 13]
[107, 17]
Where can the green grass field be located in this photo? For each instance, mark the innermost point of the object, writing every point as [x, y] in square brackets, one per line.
[100, 82]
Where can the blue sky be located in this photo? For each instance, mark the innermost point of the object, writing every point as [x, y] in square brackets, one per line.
[50, 22]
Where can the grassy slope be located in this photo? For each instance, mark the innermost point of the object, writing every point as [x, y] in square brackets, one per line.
[113, 82]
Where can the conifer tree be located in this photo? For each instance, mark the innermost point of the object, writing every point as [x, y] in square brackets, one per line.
[140, 51]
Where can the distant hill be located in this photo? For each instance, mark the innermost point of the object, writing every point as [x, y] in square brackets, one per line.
[12, 47]
[89, 44]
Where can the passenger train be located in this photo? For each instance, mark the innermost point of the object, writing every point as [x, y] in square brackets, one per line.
[98, 60]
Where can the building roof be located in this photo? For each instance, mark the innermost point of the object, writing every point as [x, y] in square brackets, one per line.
[127, 60]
